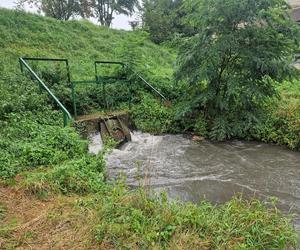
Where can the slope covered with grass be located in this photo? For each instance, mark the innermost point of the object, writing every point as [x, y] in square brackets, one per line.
[79, 41]
[46, 161]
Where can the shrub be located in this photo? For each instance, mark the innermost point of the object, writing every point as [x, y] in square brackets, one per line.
[152, 116]
[200, 127]
[29, 140]
[234, 77]
[80, 176]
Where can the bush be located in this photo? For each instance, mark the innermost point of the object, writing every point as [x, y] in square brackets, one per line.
[29, 139]
[152, 116]
[281, 120]
[80, 176]
[200, 127]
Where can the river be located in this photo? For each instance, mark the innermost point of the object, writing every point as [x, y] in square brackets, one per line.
[215, 171]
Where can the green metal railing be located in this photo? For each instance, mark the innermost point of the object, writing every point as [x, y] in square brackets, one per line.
[147, 84]
[150, 86]
[98, 80]
[102, 80]
[66, 115]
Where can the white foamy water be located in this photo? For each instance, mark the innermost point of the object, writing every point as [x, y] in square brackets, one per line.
[96, 144]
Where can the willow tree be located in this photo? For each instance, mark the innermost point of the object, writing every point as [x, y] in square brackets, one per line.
[241, 49]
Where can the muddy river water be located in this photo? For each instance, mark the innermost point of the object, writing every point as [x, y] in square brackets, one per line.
[191, 171]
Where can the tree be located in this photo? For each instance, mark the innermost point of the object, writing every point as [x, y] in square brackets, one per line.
[60, 9]
[105, 9]
[163, 18]
[242, 47]
[158, 19]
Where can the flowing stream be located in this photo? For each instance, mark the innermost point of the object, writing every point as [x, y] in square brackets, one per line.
[191, 171]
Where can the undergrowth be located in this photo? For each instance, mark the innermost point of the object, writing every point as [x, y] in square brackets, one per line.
[136, 219]
[133, 220]
[81, 176]
[281, 123]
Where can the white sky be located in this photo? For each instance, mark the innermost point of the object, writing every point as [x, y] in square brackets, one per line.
[295, 3]
[119, 22]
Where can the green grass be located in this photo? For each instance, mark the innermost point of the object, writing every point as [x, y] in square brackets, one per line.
[80, 176]
[80, 41]
[130, 219]
[135, 219]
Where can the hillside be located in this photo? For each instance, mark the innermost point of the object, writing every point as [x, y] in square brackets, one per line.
[81, 42]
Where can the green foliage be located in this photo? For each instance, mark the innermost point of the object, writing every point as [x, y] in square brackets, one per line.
[80, 176]
[158, 20]
[281, 124]
[164, 20]
[39, 145]
[60, 9]
[39, 36]
[109, 144]
[233, 61]
[200, 127]
[31, 133]
[140, 221]
[52, 159]
[51, 38]
[18, 95]
[105, 9]
[152, 116]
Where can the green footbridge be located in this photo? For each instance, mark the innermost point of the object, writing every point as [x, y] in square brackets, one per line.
[111, 124]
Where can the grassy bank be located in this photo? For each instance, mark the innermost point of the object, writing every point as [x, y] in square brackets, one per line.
[116, 217]
[51, 186]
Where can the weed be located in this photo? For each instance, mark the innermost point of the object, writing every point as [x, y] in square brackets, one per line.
[134, 219]
[81, 176]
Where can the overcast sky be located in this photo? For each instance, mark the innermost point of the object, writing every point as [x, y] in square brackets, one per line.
[119, 22]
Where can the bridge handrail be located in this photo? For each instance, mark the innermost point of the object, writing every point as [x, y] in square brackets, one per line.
[135, 73]
[150, 86]
[66, 115]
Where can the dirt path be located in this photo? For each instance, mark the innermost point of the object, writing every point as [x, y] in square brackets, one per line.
[29, 223]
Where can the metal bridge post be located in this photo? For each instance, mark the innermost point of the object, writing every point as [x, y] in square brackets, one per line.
[74, 100]
[65, 119]
[21, 66]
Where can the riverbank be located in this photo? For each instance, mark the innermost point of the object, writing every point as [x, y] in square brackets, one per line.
[116, 217]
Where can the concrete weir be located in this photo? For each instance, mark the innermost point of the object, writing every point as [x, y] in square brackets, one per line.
[108, 125]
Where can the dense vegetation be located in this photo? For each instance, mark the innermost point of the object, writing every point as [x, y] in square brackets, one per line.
[49, 159]
[233, 62]
[233, 71]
